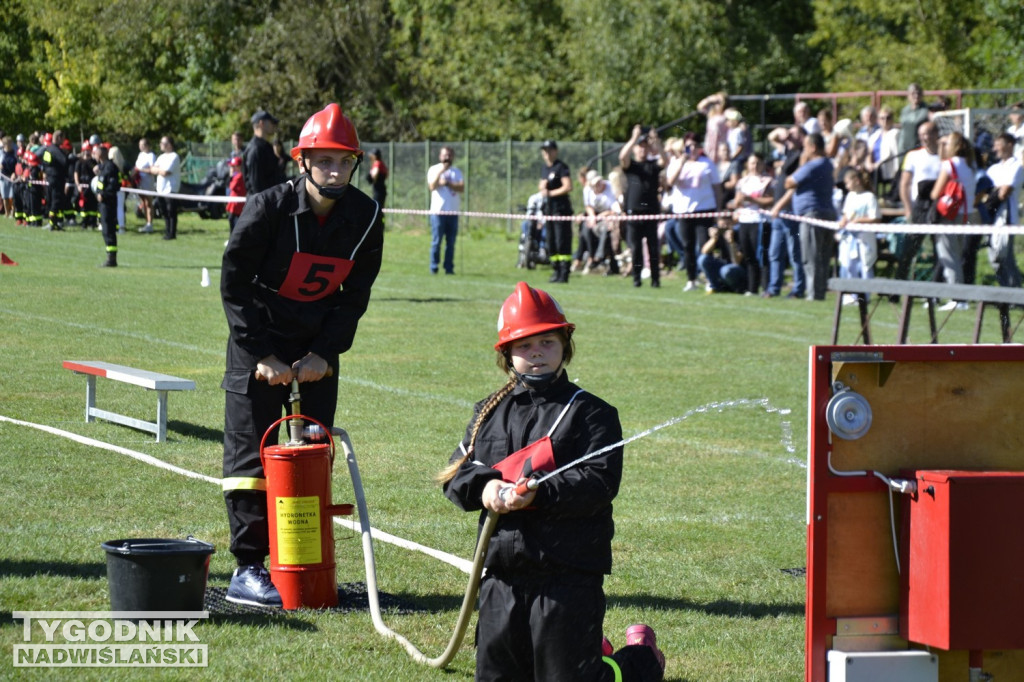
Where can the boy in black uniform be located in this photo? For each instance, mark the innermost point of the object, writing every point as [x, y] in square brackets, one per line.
[32, 189]
[108, 184]
[296, 278]
[85, 169]
[55, 165]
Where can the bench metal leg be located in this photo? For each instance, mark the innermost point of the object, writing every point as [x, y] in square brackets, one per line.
[932, 304]
[907, 304]
[161, 416]
[865, 325]
[1004, 322]
[90, 397]
[838, 315]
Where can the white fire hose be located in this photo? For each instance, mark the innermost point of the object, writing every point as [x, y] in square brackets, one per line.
[468, 601]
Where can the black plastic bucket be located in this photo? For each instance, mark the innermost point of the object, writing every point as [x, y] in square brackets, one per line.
[147, 574]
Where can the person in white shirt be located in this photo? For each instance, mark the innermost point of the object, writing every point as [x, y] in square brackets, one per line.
[167, 170]
[599, 200]
[802, 117]
[858, 250]
[446, 185]
[146, 181]
[1016, 129]
[921, 165]
[1007, 176]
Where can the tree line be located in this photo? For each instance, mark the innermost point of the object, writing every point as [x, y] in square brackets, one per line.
[409, 70]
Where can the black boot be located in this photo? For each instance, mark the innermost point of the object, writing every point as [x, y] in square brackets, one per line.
[111, 260]
[566, 268]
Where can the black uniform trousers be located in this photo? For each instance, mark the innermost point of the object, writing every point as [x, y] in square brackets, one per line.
[529, 631]
[251, 406]
[638, 231]
[108, 223]
[57, 203]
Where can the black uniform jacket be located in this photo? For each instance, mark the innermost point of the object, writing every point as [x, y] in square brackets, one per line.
[56, 165]
[261, 168]
[569, 527]
[258, 257]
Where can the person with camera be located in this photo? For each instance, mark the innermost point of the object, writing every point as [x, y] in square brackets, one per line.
[696, 189]
[446, 186]
[642, 159]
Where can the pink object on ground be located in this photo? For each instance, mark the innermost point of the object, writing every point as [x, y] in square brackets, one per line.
[643, 635]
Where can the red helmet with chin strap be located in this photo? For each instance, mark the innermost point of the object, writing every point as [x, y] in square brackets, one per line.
[529, 311]
[327, 129]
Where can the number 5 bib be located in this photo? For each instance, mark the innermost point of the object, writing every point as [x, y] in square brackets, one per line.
[312, 276]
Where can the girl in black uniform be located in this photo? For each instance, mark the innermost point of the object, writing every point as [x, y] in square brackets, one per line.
[542, 602]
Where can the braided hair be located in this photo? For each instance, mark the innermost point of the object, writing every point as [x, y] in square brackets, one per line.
[504, 362]
[448, 473]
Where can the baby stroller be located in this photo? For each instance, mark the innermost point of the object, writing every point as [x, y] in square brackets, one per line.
[532, 249]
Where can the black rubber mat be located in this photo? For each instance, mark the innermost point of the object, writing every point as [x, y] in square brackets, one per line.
[351, 597]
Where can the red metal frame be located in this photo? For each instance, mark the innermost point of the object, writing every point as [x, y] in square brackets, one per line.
[821, 483]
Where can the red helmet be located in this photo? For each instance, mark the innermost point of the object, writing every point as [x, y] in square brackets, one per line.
[65, 144]
[235, 161]
[86, 147]
[527, 312]
[48, 138]
[327, 129]
[30, 158]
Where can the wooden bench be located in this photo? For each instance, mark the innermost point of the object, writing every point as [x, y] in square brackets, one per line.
[1000, 297]
[161, 383]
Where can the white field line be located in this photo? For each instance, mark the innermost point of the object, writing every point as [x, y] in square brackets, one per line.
[459, 563]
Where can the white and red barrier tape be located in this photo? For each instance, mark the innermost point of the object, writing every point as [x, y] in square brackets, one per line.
[967, 229]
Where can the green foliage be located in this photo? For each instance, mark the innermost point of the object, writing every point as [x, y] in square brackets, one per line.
[409, 70]
[22, 99]
[936, 43]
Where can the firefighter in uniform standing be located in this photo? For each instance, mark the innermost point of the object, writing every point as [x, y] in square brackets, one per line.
[108, 184]
[32, 190]
[556, 185]
[295, 279]
[55, 165]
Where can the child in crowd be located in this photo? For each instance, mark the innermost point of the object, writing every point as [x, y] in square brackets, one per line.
[542, 602]
[858, 251]
[236, 188]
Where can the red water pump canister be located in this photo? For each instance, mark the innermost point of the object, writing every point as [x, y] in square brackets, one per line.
[301, 528]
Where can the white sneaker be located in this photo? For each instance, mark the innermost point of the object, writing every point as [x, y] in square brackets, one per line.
[690, 286]
[146, 229]
[952, 305]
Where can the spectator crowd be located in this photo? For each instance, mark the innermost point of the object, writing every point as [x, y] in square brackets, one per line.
[706, 209]
[718, 215]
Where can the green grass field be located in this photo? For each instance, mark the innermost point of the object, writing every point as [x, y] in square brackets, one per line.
[710, 516]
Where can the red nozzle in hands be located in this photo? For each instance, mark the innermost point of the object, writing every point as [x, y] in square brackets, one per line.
[526, 486]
